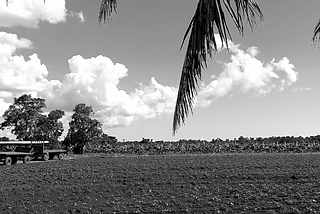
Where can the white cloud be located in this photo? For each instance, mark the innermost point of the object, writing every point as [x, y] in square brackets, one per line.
[16, 73]
[155, 98]
[94, 81]
[78, 15]
[9, 43]
[296, 90]
[292, 76]
[246, 73]
[31, 12]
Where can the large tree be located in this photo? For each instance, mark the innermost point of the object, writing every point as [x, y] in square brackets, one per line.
[26, 120]
[23, 116]
[209, 18]
[82, 128]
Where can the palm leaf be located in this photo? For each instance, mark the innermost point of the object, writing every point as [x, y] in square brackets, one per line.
[107, 8]
[316, 33]
[209, 18]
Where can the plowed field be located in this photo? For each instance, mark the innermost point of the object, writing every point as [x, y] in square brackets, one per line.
[262, 183]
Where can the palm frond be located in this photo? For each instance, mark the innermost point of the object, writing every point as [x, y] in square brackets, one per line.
[107, 8]
[316, 33]
[209, 18]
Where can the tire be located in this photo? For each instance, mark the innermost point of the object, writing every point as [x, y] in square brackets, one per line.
[60, 156]
[8, 161]
[26, 159]
[45, 156]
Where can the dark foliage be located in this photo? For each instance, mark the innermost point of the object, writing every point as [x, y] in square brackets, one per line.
[241, 145]
[83, 130]
[26, 120]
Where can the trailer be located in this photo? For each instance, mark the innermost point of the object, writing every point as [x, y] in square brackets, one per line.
[46, 154]
[28, 150]
[20, 153]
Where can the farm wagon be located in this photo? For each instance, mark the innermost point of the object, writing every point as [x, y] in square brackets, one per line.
[27, 150]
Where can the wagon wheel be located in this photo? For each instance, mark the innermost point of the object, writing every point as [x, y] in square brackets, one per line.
[7, 161]
[45, 156]
[26, 159]
[60, 156]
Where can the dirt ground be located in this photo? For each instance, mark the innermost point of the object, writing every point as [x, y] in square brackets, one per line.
[269, 183]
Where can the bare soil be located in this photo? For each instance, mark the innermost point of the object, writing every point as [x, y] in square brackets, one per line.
[251, 183]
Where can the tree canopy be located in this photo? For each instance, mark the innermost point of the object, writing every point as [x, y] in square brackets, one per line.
[82, 128]
[25, 119]
[23, 115]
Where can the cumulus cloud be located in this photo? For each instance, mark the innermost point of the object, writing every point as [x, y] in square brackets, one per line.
[16, 73]
[30, 13]
[246, 73]
[148, 101]
[95, 81]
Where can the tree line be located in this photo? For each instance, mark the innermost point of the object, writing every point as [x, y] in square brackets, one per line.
[285, 144]
[27, 121]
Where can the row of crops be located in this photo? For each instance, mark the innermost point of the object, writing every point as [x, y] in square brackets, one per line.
[240, 145]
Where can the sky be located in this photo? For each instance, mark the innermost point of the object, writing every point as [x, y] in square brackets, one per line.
[128, 69]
